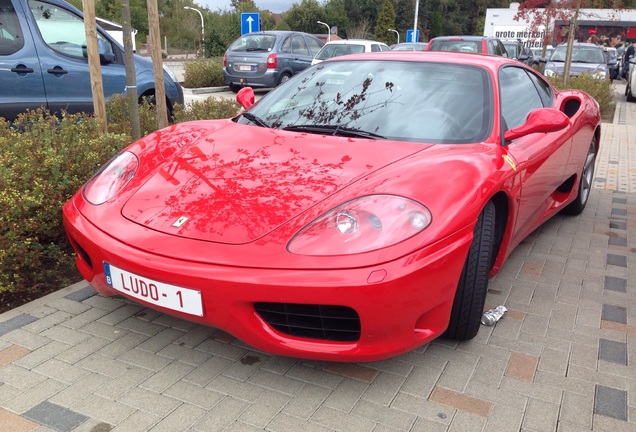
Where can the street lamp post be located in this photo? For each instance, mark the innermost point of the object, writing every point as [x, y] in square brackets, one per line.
[328, 29]
[202, 41]
[397, 33]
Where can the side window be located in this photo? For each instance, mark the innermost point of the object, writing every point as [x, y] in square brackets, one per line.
[314, 46]
[492, 48]
[61, 30]
[545, 91]
[375, 48]
[286, 46]
[298, 45]
[385, 48]
[518, 96]
[11, 39]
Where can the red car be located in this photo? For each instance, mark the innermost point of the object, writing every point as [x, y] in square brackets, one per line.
[352, 214]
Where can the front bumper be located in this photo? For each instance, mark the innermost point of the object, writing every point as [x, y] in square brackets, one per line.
[400, 304]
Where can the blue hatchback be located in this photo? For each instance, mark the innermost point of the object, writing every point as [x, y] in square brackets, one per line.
[268, 58]
[43, 61]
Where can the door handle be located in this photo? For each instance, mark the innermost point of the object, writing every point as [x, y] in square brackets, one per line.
[22, 69]
[57, 70]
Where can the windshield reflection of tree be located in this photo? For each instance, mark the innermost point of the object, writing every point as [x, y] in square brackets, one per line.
[337, 98]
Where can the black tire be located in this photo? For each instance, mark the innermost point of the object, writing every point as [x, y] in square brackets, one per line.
[585, 185]
[470, 297]
[234, 88]
[284, 77]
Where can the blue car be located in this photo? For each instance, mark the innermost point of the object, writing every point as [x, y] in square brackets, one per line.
[43, 61]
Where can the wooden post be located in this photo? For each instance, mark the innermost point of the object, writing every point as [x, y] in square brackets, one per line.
[94, 67]
[131, 78]
[157, 63]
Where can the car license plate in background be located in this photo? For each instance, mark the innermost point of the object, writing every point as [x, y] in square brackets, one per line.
[245, 67]
[161, 294]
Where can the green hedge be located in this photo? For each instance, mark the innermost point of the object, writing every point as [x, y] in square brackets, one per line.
[203, 73]
[44, 160]
[599, 89]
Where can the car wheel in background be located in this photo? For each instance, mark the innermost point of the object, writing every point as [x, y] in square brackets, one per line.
[235, 88]
[284, 77]
[470, 297]
[587, 175]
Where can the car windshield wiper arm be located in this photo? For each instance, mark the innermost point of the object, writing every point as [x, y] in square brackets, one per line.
[255, 119]
[334, 130]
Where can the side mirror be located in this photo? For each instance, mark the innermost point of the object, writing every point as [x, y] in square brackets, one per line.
[523, 57]
[542, 120]
[106, 54]
[245, 97]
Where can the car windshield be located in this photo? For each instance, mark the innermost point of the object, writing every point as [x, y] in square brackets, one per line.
[511, 49]
[398, 100]
[455, 45]
[336, 50]
[591, 54]
[253, 42]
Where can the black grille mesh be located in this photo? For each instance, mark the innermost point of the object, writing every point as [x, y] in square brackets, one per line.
[334, 323]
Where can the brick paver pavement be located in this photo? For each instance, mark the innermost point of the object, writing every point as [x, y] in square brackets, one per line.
[562, 359]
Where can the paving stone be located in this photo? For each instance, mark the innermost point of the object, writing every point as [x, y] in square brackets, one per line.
[423, 408]
[610, 402]
[12, 353]
[65, 335]
[42, 354]
[461, 401]
[612, 351]
[69, 306]
[161, 340]
[617, 260]
[618, 224]
[259, 415]
[123, 345]
[137, 422]
[540, 415]
[346, 394]
[82, 350]
[149, 401]
[144, 359]
[105, 410]
[504, 419]
[54, 416]
[35, 395]
[115, 388]
[337, 420]
[222, 415]
[615, 284]
[250, 391]
[180, 419]
[576, 410]
[15, 423]
[79, 391]
[384, 415]
[314, 376]
[194, 395]
[384, 388]
[286, 423]
[167, 376]
[522, 366]
[15, 323]
[81, 294]
[19, 377]
[85, 318]
[466, 422]
[614, 313]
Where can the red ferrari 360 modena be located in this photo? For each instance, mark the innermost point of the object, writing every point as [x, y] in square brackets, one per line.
[352, 214]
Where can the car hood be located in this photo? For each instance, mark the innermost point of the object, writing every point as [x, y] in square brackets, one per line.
[578, 68]
[240, 182]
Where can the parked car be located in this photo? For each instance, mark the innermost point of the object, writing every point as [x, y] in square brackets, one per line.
[348, 46]
[410, 46]
[268, 58]
[613, 62]
[468, 44]
[517, 51]
[352, 216]
[586, 58]
[538, 53]
[630, 87]
[43, 61]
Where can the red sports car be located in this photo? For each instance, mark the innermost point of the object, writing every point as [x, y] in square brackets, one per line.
[352, 214]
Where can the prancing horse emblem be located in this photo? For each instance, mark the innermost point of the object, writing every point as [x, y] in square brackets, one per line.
[180, 222]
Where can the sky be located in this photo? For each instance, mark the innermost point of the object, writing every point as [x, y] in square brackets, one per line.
[275, 6]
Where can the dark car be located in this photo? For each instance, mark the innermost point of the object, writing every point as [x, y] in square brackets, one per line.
[586, 58]
[517, 51]
[268, 58]
[469, 44]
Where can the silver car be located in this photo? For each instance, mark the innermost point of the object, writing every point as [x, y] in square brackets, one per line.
[268, 58]
[586, 58]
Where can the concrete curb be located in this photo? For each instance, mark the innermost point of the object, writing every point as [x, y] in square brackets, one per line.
[204, 90]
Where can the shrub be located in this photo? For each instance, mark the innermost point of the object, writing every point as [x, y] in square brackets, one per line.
[43, 161]
[203, 73]
[119, 115]
[599, 89]
[211, 108]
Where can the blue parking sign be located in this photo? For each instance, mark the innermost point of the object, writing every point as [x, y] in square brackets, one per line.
[410, 38]
[250, 22]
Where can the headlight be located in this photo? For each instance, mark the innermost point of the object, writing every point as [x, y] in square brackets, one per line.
[361, 225]
[111, 179]
[550, 73]
[600, 75]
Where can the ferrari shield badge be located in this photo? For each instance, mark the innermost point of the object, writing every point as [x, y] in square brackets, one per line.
[179, 222]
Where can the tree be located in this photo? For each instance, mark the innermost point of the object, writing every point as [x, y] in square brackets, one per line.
[304, 16]
[335, 15]
[386, 21]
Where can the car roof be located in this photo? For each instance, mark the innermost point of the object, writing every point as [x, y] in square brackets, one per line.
[488, 61]
[463, 37]
[357, 41]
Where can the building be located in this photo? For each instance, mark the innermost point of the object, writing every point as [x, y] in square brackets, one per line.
[609, 26]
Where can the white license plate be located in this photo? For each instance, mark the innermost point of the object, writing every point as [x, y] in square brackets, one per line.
[245, 67]
[161, 294]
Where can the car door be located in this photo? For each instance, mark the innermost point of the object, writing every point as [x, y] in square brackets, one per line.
[62, 52]
[541, 158]
[301, 59]
[21, 86]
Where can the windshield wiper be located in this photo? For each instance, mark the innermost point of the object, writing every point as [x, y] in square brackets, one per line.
[255, 119]
[334, 130]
